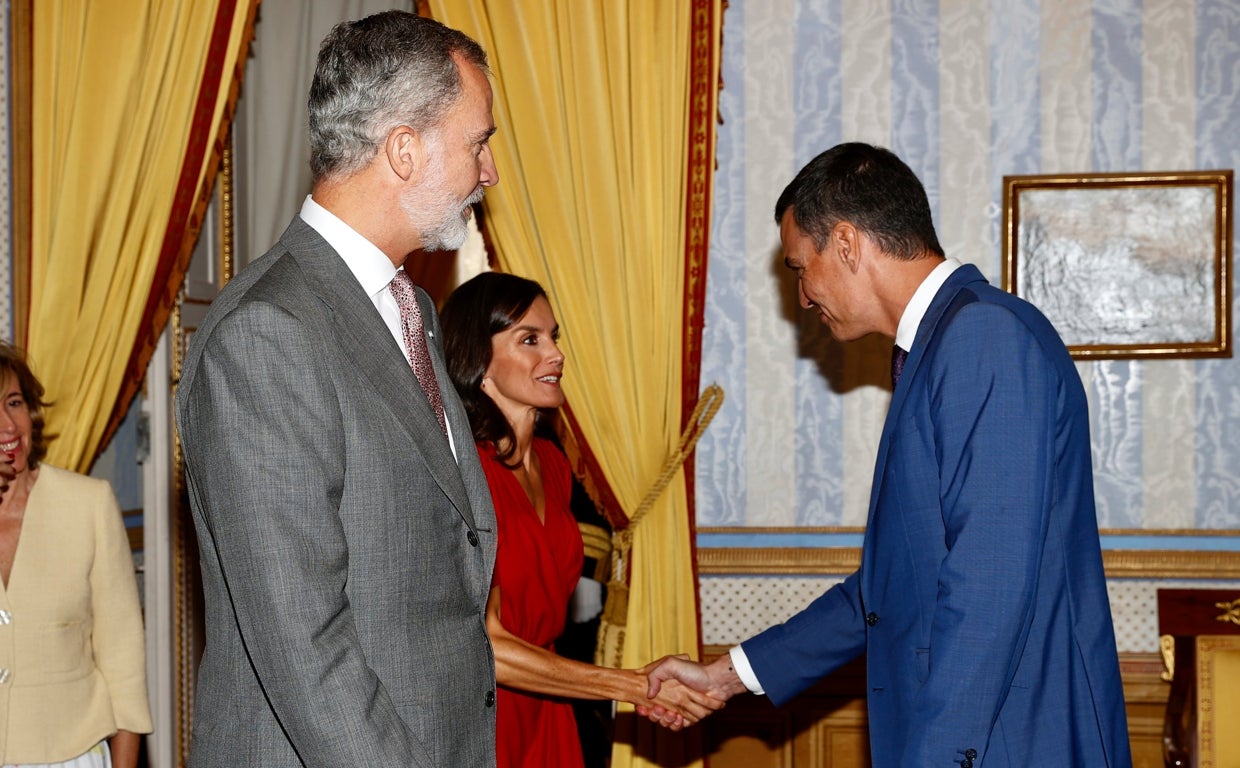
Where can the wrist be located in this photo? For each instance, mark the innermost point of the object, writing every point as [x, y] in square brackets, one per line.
[724, 680]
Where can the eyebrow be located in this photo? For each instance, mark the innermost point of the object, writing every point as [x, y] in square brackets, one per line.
[482, 136]
[533, 328]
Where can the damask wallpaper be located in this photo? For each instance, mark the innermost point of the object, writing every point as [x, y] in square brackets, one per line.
[965, 91]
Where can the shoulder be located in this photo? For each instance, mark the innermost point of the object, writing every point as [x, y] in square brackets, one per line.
[984, 316]
[278, 278]
[271, 303]
[73, 499]
[67, 483]
[257, 298]
[968, 299]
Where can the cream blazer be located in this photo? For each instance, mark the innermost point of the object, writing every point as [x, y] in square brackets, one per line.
[72, 666]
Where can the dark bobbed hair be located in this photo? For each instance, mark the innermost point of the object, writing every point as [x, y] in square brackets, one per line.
[373, 74]
[477, 310]
[868, 187]
[13, 361]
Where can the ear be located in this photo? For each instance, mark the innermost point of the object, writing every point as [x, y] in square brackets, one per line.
[406, 151]
[847, 240]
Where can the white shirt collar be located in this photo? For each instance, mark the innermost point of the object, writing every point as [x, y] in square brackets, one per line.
[372, 268]
[906, 332]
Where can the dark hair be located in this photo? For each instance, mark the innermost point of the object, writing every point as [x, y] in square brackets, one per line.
[388, 69]
[868, 187]
[477, 310]
[13, 360]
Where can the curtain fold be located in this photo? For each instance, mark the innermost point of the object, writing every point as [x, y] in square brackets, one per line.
[134, 102]
[593, 105]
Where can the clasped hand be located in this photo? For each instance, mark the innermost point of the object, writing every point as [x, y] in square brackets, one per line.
[716, 682]
[679, 692]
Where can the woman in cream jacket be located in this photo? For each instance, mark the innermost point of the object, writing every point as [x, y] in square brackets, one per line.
[72, 669]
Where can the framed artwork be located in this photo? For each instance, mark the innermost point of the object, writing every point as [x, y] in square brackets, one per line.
[1124, 265]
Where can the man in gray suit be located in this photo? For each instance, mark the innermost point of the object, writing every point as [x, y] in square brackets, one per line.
[346, 530]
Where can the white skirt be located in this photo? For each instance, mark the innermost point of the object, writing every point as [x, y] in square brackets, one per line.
[98, 756]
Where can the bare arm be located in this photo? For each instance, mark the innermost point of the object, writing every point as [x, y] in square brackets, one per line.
[528, 667]
[124, 747]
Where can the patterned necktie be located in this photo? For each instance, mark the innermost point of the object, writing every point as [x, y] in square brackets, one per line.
[898, 356]
[415, 342]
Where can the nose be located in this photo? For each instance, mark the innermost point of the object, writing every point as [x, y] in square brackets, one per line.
[489, 176]
[802, 299]
[557, 356]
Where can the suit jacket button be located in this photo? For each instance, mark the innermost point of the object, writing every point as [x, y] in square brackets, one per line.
[472, 538]
[871, 618]
[966, 763]
[489, 699]
[971, 753]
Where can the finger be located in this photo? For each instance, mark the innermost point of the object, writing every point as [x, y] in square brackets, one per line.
[708, 702]
[673, 721]
[654, 683]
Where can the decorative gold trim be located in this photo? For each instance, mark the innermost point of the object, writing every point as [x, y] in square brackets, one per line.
[1215, 700]
[1122, 563]
[1171, 564]
[785, 529]
[228, 240]
[1231, 612]
[1166, 648]
[182, 586]
[777, 560]
[1169, 531]
[781, 529]
[21, 139]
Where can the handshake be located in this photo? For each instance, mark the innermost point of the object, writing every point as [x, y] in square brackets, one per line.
[682, 692]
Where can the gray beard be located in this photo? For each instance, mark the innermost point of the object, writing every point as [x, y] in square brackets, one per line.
[450, 234]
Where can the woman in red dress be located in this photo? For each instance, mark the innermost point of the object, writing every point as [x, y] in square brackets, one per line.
[500, 342]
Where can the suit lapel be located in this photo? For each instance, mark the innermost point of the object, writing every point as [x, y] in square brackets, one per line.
[366, 341]
[964, 275]
[458, 421]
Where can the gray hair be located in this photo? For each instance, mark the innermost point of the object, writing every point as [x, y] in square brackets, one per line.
[389, 69]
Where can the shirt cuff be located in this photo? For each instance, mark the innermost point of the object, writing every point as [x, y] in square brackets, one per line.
[740, 663]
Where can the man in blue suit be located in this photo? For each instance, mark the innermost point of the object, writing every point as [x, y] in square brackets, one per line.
[981, 603]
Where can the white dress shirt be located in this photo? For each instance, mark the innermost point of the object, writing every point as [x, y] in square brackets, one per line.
[910, 321]
[372, 268]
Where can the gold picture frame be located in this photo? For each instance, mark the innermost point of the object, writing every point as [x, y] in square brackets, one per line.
[1125, 265]
[1218, 700]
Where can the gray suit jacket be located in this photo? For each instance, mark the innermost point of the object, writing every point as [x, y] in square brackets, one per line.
[346, 556]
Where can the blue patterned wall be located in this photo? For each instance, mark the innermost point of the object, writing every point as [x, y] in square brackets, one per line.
[966, 91]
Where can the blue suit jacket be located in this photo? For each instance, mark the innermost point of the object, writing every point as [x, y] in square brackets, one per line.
[981, 601]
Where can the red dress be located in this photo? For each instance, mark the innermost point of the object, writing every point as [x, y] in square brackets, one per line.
[537, 566]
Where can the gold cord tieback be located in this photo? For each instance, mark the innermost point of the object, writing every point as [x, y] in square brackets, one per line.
[615, 612]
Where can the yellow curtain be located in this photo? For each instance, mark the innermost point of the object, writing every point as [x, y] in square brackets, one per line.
[117, 84]
[592, 101]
